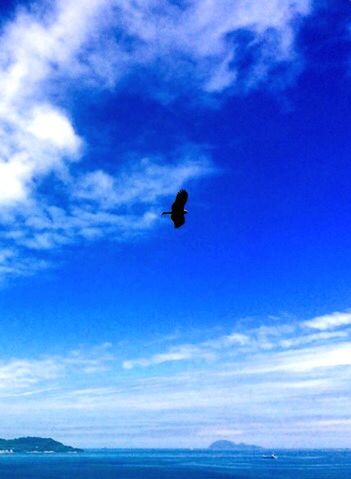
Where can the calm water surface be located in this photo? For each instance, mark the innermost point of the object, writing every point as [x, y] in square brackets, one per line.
[177, 464]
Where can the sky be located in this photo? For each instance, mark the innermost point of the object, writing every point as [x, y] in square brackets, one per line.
[118, 330]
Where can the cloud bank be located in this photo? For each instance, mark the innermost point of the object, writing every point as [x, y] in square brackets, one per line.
[229, 385]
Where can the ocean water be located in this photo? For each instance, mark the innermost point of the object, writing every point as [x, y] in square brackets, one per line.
[177, 464]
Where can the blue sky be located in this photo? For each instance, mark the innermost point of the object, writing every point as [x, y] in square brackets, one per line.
[117, 330]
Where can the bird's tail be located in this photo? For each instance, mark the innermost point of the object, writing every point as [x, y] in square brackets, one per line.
[166, 212]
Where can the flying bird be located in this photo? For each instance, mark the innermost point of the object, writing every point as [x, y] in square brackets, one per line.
[178, 212]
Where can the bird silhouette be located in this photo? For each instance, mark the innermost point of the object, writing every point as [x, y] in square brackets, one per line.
[178, 212]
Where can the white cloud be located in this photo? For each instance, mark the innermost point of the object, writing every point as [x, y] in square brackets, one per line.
[310, 338]
[196, 41]
[36, 137]
[179, 353]
[19, 376]
[51, 126]
[99, 205]
[328, 348]
[13, 176]
[329, 321]
[229, 344]
[207, 350]
[228, 340]
[306, 360]
[143, 183]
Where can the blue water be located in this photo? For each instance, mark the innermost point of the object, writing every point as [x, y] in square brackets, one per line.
[177, 464]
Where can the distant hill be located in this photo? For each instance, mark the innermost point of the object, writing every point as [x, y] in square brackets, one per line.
[34, 444]
[232, 446]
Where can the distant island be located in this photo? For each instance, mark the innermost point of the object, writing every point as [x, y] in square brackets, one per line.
[34, 445]
[223, 445]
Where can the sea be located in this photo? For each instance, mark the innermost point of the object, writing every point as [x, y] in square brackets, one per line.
[178, 464]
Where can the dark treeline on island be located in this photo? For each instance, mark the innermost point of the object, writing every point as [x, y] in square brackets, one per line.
[34, 444]
[232, 446]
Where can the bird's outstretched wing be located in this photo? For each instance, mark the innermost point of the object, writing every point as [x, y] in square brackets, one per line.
[178, 219]
[181, 199]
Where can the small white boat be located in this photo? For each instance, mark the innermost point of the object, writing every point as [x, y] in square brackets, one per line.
[271, 456]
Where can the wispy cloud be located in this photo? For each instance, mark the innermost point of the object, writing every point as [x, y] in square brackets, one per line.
[203, 44]
[21, 375]
[305, 360]
[179, 353]
[18, 374]
[312, 338]
[329, 321]
[275, 338]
